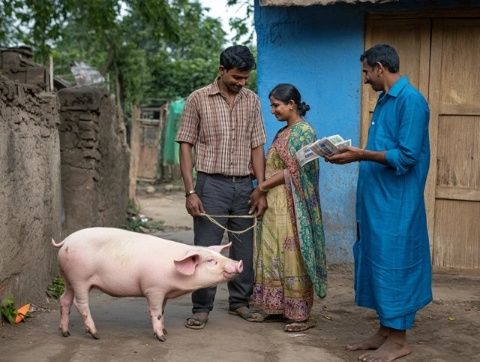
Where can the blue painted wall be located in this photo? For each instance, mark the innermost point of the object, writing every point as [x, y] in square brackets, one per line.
[317, 48]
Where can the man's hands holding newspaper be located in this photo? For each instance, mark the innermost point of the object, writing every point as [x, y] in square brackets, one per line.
[345, 154]
[324, 147]
[335, 149]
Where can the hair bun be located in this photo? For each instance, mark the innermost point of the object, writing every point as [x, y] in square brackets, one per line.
[305, 106]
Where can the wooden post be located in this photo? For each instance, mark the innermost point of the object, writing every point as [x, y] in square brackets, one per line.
[51, 73]
[134, 150]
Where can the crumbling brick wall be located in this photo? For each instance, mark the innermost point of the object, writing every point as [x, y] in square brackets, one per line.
[30, 204]
[85, 169]
[17, 64]
[95, 160]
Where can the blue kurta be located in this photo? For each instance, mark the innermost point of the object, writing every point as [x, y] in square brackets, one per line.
[392, 253]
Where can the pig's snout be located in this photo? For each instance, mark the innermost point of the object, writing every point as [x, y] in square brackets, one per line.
[234, 268]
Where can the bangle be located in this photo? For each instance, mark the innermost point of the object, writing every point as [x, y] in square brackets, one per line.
[262, 189]
[191, 192]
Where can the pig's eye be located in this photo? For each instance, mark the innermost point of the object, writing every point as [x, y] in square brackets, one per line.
[212, 261]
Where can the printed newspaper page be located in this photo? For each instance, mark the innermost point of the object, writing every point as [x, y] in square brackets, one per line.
[323, 147]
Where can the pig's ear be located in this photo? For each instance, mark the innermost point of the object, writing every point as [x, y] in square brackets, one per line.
[219, 248]
[187, 264]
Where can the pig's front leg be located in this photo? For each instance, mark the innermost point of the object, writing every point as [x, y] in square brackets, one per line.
[156, 305]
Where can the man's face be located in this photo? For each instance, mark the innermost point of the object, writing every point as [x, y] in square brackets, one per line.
[372, 76]
[234, 79]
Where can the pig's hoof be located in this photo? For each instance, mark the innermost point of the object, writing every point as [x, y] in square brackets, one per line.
[161, 338]
[66, 333]
[94, 335]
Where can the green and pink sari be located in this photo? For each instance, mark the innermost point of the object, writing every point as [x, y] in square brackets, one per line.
[290, 261]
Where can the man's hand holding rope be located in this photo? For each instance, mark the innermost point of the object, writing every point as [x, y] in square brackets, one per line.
[194, 205]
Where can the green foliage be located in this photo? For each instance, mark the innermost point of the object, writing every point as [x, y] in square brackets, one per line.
[242, 25]
[56, 288]
[146, 49]
[134, 223]
[8, 310]
[139, 223]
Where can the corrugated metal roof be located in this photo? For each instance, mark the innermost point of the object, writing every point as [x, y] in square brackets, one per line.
[317, 2]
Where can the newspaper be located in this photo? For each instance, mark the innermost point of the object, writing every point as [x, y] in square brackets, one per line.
[326, 146]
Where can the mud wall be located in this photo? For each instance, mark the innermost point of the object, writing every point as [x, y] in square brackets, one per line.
[30, 205]
[95, 160]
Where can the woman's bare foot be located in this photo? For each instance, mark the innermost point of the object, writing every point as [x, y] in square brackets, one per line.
[372, 342]
[394, 347]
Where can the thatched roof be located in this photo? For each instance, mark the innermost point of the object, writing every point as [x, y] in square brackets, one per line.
[316, 2]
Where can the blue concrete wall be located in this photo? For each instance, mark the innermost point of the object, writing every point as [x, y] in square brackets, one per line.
[317, 48]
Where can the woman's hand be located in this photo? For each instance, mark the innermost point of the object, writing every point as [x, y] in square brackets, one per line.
[258, 202]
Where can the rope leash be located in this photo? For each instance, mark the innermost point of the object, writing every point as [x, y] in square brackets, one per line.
[236, 232]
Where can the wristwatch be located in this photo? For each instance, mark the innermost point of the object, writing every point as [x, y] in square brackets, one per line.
[190, 192]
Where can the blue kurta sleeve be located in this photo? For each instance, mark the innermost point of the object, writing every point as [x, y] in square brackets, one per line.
[413, 115]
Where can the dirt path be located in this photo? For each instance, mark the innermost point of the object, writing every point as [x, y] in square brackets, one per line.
[166, 206]
[446, 330]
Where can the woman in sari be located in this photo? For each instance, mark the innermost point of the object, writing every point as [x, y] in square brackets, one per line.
[290, 253]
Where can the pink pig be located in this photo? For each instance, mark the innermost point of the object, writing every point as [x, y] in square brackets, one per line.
[126, 264]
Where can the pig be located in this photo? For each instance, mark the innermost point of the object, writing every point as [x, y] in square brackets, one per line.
[122, 263]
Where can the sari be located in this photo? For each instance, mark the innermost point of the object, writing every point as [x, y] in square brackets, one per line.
[290, 262]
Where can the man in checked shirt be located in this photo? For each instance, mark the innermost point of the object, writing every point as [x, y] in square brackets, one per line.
[223, 123]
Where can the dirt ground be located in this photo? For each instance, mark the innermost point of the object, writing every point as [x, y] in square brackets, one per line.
[446, 330]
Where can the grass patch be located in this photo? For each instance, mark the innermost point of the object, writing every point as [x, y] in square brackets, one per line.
[140, 223]
[8, 310]
[56, 288]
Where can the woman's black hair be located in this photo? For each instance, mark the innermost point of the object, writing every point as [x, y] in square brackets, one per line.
[285, 93]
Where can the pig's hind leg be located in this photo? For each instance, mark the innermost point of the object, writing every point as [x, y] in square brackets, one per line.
[156, 306]
[65, 304]
[81, 302]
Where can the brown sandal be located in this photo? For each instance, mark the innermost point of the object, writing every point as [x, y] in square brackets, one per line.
[245, 313]
[293, 326]
[196, 322]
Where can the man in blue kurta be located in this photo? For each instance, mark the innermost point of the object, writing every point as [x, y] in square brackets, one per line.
[392, 253]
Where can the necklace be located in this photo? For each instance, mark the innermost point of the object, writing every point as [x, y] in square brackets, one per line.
[300, 120]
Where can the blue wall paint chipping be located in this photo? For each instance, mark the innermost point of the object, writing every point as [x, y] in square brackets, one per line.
[317, 48]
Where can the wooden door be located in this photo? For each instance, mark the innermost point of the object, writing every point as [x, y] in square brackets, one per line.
[440, 56]
[454, 184]
[148, 149]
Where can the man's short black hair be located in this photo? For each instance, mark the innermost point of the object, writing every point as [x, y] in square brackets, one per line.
[237, 56]
[383, 54]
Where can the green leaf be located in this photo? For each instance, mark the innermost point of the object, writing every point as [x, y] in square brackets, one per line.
[8, 310]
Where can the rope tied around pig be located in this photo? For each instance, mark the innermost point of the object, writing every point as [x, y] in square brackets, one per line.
[211, 218]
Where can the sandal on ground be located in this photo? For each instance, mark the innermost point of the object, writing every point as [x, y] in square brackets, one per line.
[196, 322]
[294, 326]
[245, 313]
